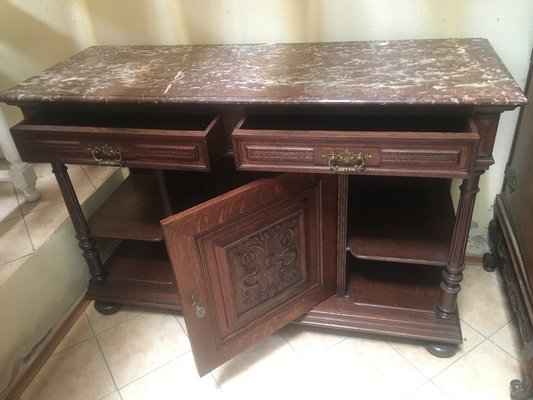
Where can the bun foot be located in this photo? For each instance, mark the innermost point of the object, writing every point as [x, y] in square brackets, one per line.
[443, 350]
[489, 264]
[518, 391]
[492, 259]
[107, 308]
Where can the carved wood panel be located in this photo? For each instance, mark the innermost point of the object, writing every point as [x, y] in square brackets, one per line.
[253, 260]
[267, 263]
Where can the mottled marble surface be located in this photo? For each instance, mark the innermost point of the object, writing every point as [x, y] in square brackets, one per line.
[442, 72]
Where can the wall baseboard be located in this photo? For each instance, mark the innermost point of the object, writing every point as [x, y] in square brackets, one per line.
[15, 390]
[474, 259]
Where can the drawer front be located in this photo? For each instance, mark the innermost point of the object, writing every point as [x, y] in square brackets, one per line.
[380, 152]
[128, 147]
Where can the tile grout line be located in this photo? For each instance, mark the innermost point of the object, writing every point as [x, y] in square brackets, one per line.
[19, 206]
[183, 328]
[111, 327]
[155, 369]
[34, 248]
[103, 356]
[448, 396]
[71, 346]
[485, 338]
[89, 178]
[142, 376]
[190, 351]
[350, 334]
[500, 347]
[422, 385]
[15, 259]
[411, 364]
[13, 217]
[453, 363]
[289, 344]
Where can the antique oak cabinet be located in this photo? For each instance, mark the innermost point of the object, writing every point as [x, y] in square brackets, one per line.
[282, 183]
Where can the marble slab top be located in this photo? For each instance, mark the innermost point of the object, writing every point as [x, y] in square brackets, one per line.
[423, 72]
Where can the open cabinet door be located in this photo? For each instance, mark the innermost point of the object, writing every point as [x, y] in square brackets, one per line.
[252, 260]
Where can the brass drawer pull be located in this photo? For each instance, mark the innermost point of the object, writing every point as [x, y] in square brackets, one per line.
[108, 155]
[198, 309]
[347, 161]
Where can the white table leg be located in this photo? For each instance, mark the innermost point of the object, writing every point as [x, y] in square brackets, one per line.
[20, 173]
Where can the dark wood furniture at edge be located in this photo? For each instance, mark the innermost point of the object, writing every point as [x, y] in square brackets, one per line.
[511, 238]
[302, 183]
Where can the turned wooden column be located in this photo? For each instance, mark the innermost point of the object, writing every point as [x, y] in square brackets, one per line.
[452, 274]
[86, 242]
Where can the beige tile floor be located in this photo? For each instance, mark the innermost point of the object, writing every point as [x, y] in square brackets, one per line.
[143, 354]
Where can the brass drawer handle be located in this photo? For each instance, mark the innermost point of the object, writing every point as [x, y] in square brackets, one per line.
[108, 155]
[198, 309]
[347, 161]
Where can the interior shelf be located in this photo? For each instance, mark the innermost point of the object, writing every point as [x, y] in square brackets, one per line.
[137, 273]
[144, 264]
[133, 210]
[408, 220]
[406, 286]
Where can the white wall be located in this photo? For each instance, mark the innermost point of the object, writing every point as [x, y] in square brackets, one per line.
[35, 35]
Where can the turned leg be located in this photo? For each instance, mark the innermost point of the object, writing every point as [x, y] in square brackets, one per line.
[86, 242]
[452, 275]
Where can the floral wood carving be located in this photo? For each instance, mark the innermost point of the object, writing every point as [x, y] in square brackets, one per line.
[267, 263]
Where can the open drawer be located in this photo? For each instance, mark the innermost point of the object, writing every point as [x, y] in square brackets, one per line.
[142, 140]
[380, 145]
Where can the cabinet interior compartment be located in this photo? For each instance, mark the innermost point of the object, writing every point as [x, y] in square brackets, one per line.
[398, 286]
[132, 211]
[398, 238]
[187, 189]
[399, 232]
[138, 273]
[385, 123]
[145, 264]
[127, 120]
[407, 220]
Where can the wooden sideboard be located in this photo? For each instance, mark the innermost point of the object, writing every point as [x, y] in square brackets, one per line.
[271, 184]
[511, 238]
